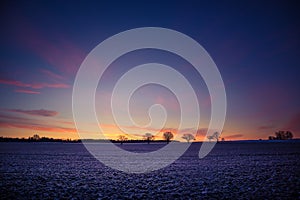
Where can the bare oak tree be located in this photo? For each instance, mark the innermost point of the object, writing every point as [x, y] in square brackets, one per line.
[282, 135]
[188, 137]
[149, 137]
[122, 138]
[214, 136]
[168, 136]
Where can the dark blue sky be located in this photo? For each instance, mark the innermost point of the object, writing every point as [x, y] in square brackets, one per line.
[254, 44]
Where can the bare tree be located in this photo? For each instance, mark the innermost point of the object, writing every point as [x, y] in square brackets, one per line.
[36, 137]
[282, 135]
[214, 136]
[168, 136]
[149, 137]
[188, 137]
[289, 135]
[122, 138]
[272, 138]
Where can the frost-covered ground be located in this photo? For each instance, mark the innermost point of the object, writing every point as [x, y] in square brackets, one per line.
[233, 170]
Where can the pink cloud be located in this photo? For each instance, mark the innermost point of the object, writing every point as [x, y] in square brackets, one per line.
[41, 112]
[66, 122]
[52, 75]
[61, 54]
[27, 91]
[8, 121]
[201, 132]
[36, 127]
[55, 85]
[9, 117]
[33, 85]
[234, 136]
[13, 82]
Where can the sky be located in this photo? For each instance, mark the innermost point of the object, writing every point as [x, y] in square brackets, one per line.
[255, 45]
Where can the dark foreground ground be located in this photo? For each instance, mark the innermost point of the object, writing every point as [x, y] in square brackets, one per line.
[233, 170]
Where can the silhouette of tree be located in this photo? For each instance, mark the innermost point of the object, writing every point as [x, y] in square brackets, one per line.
[188, 137]
[36, 137]
[289, 135]
[272, 138]
[282, 135]
[168, 136]
[279, 135]
[122, 138]
[149, 137]
[214, 136]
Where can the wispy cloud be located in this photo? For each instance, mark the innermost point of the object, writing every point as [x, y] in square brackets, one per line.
[13, 82]
[51, 126]
[62, 54]
[10, 117]
[41, 112]
[201, 132]
[37, 127]
[27, 91]
[52, 75]
[33, 85]
[234, 136]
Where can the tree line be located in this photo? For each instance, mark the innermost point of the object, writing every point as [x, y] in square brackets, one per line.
[37, 138]
[147, 138]
[168, 136]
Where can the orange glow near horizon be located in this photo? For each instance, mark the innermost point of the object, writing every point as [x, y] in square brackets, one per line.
[110, 131]
[17, 126]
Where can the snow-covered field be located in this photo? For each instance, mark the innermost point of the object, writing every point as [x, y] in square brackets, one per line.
[233, 170]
